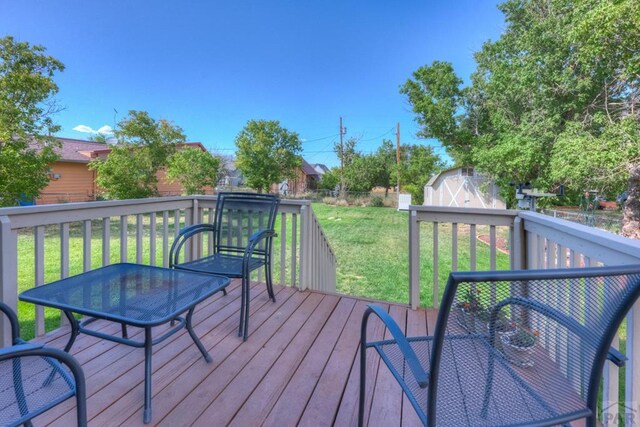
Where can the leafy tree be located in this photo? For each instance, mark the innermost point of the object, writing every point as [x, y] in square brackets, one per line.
[348, 151]
[330, 179]
[386, 168]
[436, 97]
[143, 148]
[554, 99]
[267, 153]
[26, 123]
[361, 174]
[194, 169]
[418, 163]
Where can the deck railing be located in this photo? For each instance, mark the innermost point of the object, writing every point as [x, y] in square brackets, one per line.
[100, 233]
[537, 241]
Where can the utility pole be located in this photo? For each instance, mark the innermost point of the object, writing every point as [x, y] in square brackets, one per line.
[398, 156]
[343, 131]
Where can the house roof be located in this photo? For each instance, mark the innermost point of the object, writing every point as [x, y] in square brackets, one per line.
[77, 150]
[81, 151]
[307, 169]
[321, 168]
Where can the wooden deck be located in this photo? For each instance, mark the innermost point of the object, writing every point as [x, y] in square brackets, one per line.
[298, 367]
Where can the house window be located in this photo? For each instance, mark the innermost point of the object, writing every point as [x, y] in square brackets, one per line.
[467, 172]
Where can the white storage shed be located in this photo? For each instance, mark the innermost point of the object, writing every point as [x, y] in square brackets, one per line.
[462, 187]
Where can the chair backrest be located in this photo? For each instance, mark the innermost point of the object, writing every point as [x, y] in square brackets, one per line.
[238, 216]
[555, 326]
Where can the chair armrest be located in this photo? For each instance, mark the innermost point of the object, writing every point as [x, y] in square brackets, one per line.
[259, 235]
[191, 229]
[18, 350]
[185, 234]
[422, 378]
[13, 319]
[616, 357]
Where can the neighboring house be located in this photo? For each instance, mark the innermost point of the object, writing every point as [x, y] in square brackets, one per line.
[73, 181]
[230, 177]
[462, 187]
[306, 179]
[321, 169]
[70, 178]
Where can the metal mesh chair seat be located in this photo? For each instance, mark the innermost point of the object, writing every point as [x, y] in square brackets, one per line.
[470, 394]
[226, 265]
[29, 386]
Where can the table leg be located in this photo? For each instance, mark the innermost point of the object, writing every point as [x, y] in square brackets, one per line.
[125, 334]
[148, 342]
[195, 338]
[75, 330]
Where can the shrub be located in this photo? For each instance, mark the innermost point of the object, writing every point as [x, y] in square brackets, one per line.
[376, 202]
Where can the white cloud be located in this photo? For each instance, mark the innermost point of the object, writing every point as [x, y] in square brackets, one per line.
[84, 129]
[104, 130]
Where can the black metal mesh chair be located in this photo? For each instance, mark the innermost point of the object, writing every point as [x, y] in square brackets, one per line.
[242, 234]
[34, 379]
[511, 348]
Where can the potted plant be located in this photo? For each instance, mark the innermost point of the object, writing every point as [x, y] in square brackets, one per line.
[502, 326]
[518, 346]
[467, 307]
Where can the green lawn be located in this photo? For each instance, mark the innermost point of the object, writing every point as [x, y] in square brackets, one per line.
[372, 248]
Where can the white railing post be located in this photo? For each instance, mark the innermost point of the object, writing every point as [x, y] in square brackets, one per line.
[8, 274]
[414, 260]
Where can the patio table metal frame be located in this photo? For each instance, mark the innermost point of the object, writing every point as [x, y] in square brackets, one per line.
[198, 287]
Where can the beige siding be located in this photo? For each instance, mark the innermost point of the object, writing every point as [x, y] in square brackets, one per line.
[76, 183]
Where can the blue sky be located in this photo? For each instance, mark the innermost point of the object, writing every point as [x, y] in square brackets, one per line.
[209, 66]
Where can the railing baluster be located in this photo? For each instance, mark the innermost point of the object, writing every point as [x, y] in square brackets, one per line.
[152, 238]
[473, 246]
[165, 239]
[124, 238]
[414, 262]
[39, 276]
[210, 235]
[283, 247]
[86, 245]
[436, 284]
[454, 247]
[139, 234]
[492, 259]
[106, 241]
[64, 261]
[176, 222]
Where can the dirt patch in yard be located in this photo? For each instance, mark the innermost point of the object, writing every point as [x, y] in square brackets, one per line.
[502, 244]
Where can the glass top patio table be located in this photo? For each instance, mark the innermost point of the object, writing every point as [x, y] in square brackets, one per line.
[132, 295]
[138, 295]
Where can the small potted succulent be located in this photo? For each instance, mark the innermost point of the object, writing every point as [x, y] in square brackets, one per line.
[518, 346]
[467, 308]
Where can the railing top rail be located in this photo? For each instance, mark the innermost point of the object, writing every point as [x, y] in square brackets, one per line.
[599, 244]
[477, 216]
[467, 211]
[30, 216]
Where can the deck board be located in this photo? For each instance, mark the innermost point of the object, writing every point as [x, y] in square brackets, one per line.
[300, 366]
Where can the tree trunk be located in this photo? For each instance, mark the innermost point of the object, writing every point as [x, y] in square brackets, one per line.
[631, 218]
